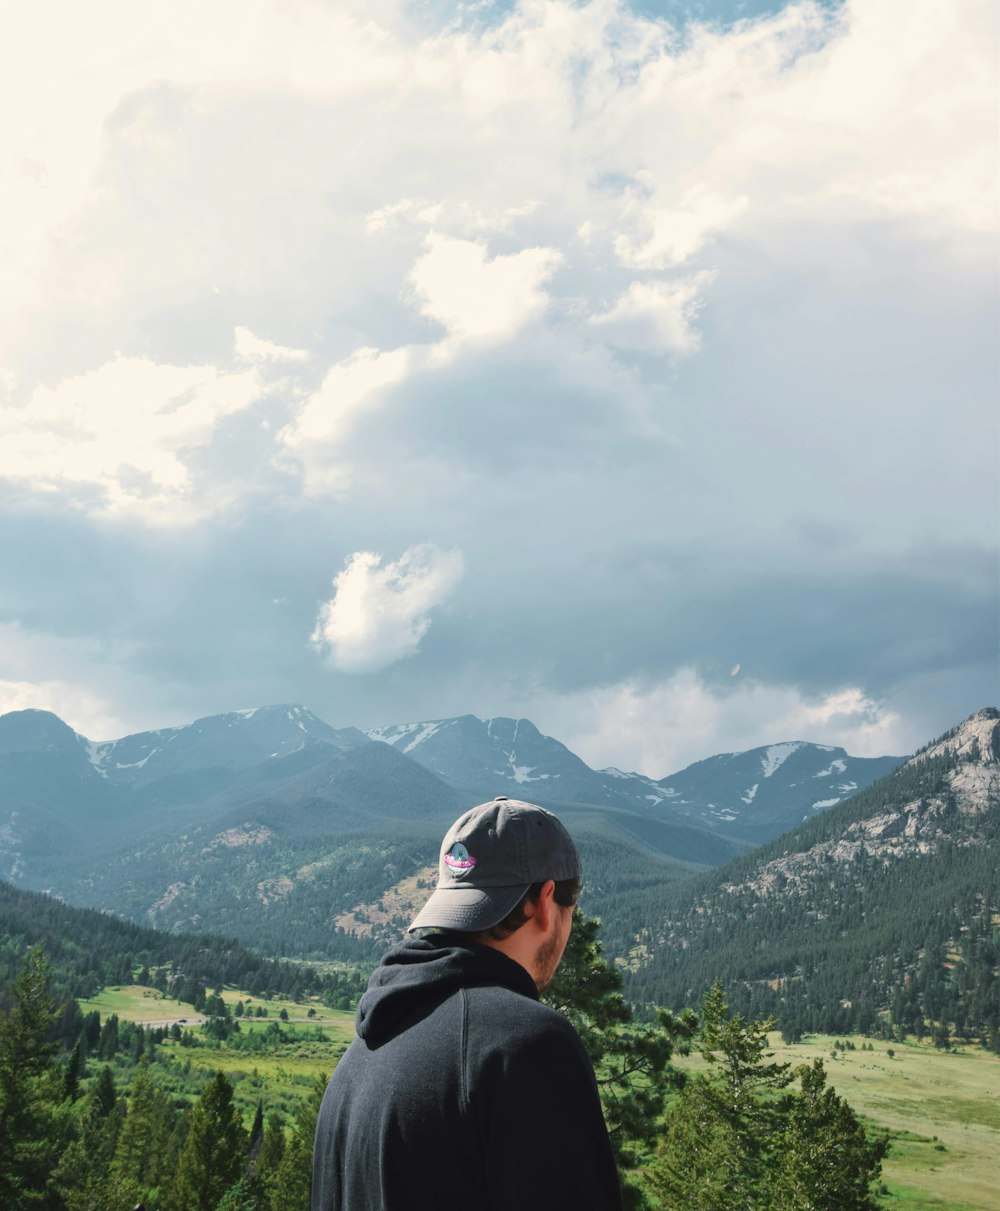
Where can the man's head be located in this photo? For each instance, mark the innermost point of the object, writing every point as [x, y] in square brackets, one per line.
[509, 875]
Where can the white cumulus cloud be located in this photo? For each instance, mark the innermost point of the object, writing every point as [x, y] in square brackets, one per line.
[380, 612]
[658, 729]
[477, 298]
[655, 317]
[119, 437]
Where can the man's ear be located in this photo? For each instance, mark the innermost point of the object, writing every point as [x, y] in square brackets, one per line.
[545, 906]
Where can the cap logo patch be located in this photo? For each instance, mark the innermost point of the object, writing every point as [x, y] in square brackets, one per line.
[458, 859]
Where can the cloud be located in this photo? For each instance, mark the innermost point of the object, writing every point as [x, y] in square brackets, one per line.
[654, 321]
[658, 730]
[116, 438]
[675, 233]
[350, 389]
[379, 614]
[479, 299]
[255, 349]
[86, 712]
[655, 317]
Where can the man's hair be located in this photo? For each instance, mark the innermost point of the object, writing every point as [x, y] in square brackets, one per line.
[566, 894]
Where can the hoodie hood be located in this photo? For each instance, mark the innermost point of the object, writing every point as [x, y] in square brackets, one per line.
[414, 978]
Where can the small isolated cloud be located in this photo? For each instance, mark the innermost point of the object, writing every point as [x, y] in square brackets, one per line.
[379, 614]
[655, 317]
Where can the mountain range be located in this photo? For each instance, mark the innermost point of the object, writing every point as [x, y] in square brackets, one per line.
[307, 841]
[273, 826]
[281, 768]
[888, 901]
[749, 796]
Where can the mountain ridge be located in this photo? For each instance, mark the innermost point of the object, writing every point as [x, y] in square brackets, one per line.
[824, 924]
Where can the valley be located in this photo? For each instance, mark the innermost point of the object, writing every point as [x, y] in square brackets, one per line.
[212, 899]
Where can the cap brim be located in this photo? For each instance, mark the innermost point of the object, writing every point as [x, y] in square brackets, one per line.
[469, 909]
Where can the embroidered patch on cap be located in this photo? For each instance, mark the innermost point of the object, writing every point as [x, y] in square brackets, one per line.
[458, 859]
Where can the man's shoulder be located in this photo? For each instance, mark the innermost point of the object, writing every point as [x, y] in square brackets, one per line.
[519, 1021]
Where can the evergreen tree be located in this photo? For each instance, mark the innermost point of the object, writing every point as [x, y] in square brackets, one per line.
[272, 1149]
[631, 1059]
[137, 1164]
[75, 1070]
[244, 1195]
[81, 1175]
[31, 1088]
[825, 1162]
[720, 1133]
[289, 1187]
[734, 1140]
[105, 1094]
[212, 1157]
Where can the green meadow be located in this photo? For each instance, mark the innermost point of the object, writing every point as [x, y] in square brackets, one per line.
[941, 1109]
[280, 1075]
[134, 1003]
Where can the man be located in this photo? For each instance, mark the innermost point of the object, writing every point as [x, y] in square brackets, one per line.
[462, 1092]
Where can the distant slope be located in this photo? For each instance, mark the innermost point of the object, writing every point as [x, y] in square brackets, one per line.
[885, 903]
[761, 793]
[90, 949]
[270, 825]
[488, 757]
[232, 742]
[747, 797]
[68, 804]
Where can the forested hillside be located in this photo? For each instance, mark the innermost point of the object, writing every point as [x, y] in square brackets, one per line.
[89, 949]
[881, 913]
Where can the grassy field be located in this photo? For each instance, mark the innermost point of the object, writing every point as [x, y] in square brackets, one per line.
[280, 1077]
[134, 1003]
[942, 1111]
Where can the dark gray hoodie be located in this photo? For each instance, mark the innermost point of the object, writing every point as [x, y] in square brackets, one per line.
[462, 1092]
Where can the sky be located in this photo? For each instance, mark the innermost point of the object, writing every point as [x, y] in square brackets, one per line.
[628, 368]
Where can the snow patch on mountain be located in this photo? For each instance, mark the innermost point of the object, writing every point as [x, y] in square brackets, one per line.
[136, 764]
[776, 755]
[837, 766]
[750, 792]
[425, 733]
[97, 753]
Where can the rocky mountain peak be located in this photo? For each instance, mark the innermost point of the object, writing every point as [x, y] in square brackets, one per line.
[975, 739]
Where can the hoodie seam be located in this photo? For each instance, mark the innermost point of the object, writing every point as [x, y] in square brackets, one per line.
[464, 1077]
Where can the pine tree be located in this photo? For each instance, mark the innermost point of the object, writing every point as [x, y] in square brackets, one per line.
[272, 1149]
[81, 1176]
[212, 1157]
[31, 1088]
[825, 1162]
[290, 1186]
[631, 1059]
[75, 1070]
[105, 1093]
[137, 1164]
[736, 1141]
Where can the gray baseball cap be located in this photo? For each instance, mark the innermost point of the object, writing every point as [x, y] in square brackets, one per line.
[489, 859]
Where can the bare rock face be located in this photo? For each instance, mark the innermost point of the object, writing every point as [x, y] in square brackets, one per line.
[952, 811]
[976, 740]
